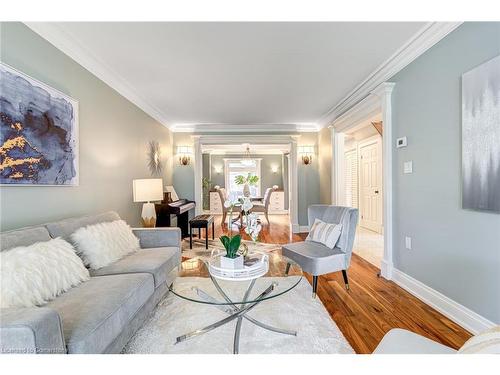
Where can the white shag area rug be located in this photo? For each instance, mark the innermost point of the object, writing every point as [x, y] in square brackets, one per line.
[317, 333]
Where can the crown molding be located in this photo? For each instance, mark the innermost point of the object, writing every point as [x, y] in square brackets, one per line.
[366, 108]
[424, 39]
[76, 51]
[245, 128]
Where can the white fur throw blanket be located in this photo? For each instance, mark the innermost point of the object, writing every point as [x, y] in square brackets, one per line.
[33, 275]
[102, 244]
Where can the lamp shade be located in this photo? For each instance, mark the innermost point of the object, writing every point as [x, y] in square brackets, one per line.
[306, 150]
[184, 150]
[148, 189]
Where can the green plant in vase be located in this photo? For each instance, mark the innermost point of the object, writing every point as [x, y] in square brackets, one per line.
[249, 180]
[231, 243]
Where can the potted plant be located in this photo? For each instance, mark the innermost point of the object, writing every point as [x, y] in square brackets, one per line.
[249, 180]
[207, 185]
[232, 259]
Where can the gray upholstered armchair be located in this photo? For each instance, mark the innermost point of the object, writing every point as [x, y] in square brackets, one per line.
[318, 259]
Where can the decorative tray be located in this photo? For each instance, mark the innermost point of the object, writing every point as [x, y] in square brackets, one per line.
[254, 266]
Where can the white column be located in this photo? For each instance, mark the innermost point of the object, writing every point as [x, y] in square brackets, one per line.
[384, 92]
[338, 162]
[292, 169]
[198, 167]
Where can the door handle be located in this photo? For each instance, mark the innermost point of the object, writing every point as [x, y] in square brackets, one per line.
[376, 191]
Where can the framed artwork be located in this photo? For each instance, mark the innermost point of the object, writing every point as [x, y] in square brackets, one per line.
[481, 137]
[38, 132]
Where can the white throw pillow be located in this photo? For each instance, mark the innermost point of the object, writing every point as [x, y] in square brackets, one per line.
[102, 244]
[33, 275]
[325, 233]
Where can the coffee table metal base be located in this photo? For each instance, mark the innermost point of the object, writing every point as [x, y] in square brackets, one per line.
[234, 312]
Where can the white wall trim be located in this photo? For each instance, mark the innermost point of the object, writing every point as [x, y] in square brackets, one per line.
[338, 168]
[198, 170]
[384, 93]
[424, 39]
[245, 128]
[460, 314]
[302, 229]
[378, 101]
[361, 112]
[75, 50]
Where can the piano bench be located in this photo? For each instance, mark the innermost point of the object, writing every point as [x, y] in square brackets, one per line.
[201, 221]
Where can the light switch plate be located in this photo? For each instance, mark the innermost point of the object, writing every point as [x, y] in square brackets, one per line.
[408, 167]
[408, 243]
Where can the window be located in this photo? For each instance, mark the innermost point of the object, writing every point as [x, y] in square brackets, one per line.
[236, 167]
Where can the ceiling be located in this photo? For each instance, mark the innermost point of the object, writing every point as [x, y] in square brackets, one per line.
[236, 73]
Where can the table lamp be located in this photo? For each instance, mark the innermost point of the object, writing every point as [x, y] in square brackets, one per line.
[148, 190]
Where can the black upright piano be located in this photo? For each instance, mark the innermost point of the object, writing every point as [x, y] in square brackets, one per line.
[180, 208]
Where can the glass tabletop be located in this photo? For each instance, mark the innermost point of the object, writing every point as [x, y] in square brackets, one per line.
[195, 283]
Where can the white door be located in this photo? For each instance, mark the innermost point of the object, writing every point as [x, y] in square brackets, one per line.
[370, 185]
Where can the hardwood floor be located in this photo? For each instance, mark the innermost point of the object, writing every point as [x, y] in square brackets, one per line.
[373, 305]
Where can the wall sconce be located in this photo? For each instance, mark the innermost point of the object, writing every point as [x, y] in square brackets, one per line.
[274, 168]
[218, 169]
[184, 153]
[307, 154]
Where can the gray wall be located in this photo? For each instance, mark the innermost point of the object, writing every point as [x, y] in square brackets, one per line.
[455, 251]
[114, 136]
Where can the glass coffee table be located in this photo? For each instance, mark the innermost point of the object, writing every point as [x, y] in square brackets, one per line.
[235, 298]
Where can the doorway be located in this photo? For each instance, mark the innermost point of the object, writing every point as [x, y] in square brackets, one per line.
[275, 158]
[377, 103]
[363, 187]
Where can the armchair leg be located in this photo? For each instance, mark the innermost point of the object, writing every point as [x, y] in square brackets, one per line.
[346, 280]
[287, 269]
[223, 218]
[315, 286]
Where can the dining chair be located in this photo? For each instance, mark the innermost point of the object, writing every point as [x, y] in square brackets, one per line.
[264, 206]
[236, 209]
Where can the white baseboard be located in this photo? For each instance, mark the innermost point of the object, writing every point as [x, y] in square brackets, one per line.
[302, 229]
[460, 314]
[296, 228]
[386, 269]
[280, 212]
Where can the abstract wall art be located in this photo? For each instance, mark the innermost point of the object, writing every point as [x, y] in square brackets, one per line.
[38, 132]
[481, 137]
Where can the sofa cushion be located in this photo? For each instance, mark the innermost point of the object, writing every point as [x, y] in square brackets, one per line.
[315, 258]
[32, 275]
[401, 341]
[23, 237]
[325, 233]
[97, 311]
[100, 245]
[66, 227]
[156, 261]
[487, 342]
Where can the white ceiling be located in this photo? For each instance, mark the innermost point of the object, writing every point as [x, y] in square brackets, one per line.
[237, 73]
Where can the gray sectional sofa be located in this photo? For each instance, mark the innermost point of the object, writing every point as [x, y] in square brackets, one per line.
[99, 315]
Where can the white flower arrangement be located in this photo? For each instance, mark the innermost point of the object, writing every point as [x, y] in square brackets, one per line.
[253, 227]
